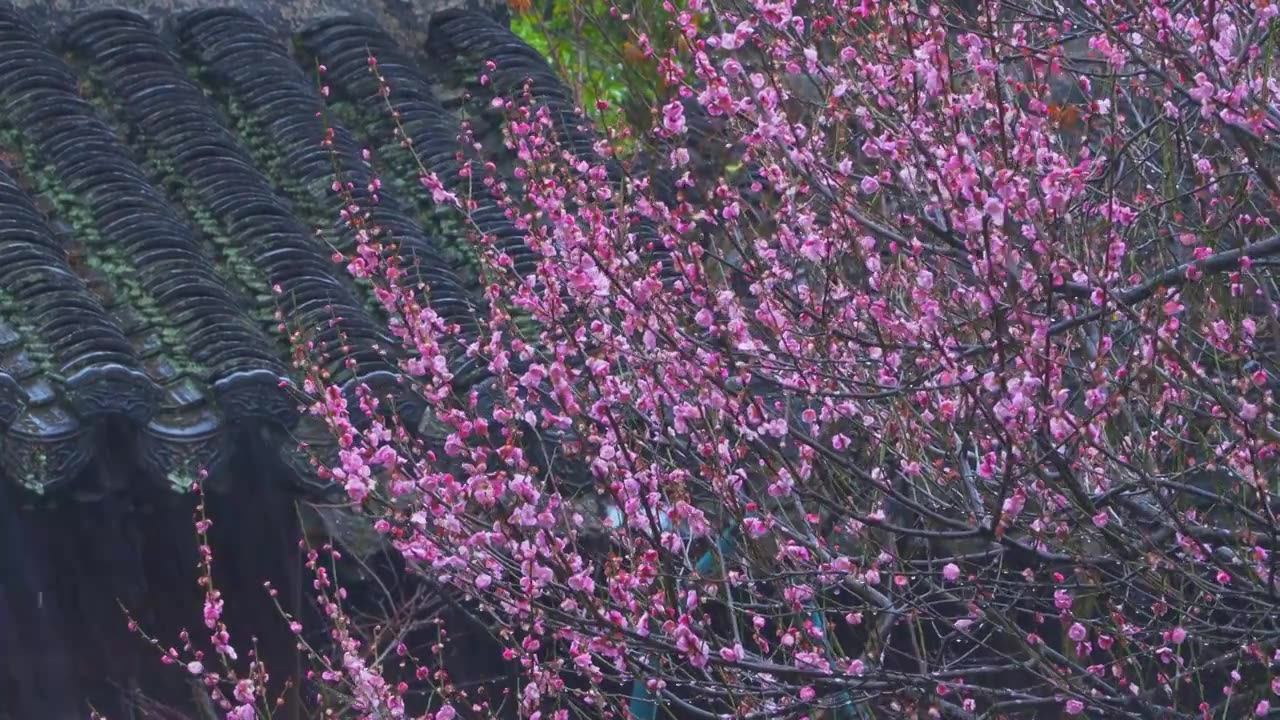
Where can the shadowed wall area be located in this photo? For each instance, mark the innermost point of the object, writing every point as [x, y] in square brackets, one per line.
[67, 569]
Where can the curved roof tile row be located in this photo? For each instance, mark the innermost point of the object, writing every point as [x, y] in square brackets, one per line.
[166, 224]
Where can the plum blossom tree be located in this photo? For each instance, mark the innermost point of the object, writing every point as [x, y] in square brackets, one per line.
[928, 369]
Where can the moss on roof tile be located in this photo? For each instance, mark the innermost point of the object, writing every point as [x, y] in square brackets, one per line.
[185, 217]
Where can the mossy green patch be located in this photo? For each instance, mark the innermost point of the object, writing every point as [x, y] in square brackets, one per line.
[313, 205]
[31, 344]
[105, 258]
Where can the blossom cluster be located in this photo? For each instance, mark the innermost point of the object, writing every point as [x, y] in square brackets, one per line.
[945, 387]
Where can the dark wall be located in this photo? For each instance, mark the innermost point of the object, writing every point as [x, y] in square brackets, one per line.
[66, 566]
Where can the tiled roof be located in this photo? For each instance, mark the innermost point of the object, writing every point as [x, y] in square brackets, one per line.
[166, 221]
